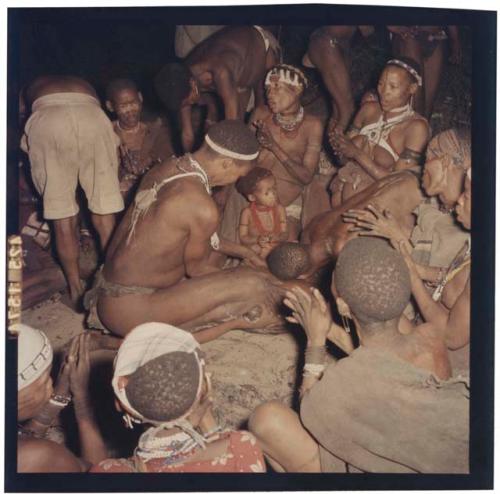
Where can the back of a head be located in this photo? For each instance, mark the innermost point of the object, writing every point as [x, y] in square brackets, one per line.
[172, 84]
[454, 143]
[232, 138]
[288, 261]
[373, 279]
[166, 387]
[248, 184]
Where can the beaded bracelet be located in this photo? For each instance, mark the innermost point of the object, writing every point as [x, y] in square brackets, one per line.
[60, 400]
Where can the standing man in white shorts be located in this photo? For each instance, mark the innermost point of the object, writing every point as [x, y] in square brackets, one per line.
[70, 141]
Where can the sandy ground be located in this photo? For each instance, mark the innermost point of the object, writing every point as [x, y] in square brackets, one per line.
[247, 369]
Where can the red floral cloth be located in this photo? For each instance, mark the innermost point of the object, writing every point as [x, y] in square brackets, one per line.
[242, 455]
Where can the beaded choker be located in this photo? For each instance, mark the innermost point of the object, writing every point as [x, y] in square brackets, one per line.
[289, 125]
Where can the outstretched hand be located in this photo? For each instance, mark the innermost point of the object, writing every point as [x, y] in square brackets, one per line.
[311, 311]
[371, 222]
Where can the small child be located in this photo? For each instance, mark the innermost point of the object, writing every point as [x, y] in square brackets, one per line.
[262, 224]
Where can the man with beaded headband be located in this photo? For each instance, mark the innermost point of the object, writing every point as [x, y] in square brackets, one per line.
[160, 380]
[290, 143]
[168, 234]
[386, 135]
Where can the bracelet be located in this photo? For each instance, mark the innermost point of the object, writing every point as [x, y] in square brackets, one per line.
[314, 369]
[60, 400]
[315, 355]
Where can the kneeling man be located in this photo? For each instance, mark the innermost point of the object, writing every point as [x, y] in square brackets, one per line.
[168, 232]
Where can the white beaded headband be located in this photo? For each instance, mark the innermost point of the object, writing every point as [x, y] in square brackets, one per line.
[230, 154]
[286, 74]
[407, 67]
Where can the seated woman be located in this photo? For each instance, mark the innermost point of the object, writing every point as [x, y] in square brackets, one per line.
[446, 172]
[380, 409]
[263, 223]
[39, 405]
[385, 136]
[160, 380]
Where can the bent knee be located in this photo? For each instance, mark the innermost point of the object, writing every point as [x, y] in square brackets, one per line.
[269, 419]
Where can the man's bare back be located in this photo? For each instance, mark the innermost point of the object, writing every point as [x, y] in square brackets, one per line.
[154, 255]
[234, 54]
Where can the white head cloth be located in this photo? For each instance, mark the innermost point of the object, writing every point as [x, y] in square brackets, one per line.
[34, 354]
[147, 342]
[287, 74]
[230, 154]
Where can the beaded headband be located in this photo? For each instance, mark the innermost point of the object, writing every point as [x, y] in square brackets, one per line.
[230, 154]
[408, 69]
[287, 74]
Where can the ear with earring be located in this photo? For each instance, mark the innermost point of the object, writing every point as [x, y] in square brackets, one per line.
[344, 314]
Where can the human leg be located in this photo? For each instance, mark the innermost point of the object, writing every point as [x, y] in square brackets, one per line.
[433, 68]
[104, 224]
[67, 248]
[329, 58]
[287, 446]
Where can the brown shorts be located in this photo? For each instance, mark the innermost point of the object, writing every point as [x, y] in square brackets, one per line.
[70, 140]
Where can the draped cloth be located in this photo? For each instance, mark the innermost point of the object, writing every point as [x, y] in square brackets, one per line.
[380, 414]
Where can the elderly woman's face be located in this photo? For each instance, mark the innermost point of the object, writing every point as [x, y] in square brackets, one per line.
[463, 208]
[394, 88]
[32, 398]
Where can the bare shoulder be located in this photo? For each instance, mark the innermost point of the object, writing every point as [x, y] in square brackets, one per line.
[41, 455]
[419, 124]
[314, 123]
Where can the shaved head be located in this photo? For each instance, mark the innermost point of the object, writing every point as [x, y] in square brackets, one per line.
[373, 279]
[288, 261]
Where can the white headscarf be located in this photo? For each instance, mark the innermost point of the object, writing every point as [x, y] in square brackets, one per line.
[34, 354]
[147, 342]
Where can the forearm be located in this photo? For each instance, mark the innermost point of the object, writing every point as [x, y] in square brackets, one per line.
[432, 311]
[92, 445]
[210, 334]
[248, 240]
[44, 419]
[314, 364]
[457, 331]
[370, 167]
[235, 250]
[294, 167]
[339, 337]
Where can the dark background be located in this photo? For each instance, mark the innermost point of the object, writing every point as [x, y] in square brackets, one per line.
[99, 44]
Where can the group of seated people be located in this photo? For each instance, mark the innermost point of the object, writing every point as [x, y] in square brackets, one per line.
[241, 233]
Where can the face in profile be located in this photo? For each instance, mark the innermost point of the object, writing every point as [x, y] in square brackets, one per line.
[282, 97]
[127, 105]
[32, 398]
[233, 170]
[463, 208]
[265, 193]
[433, 177]
[394, 88]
